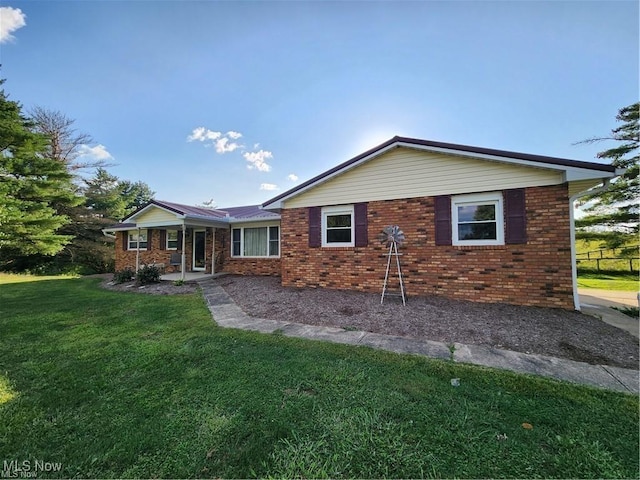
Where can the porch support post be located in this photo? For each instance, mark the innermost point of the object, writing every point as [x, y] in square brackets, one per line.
[183, 265]
[572, 236]
[213, 250]
[138, 251]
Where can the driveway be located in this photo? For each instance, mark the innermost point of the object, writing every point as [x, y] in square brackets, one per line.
[608, 298]
[598, 303]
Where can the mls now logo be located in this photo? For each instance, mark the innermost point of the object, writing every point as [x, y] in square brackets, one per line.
[27, 468]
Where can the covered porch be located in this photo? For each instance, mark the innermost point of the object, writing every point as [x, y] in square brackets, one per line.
[185, 243]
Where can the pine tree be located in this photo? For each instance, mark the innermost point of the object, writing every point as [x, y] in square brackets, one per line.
[613, 214]
[30, 185]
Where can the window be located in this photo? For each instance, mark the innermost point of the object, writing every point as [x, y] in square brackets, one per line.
[274, 241]
[172, 239]
[337, 226]
[138, 240]
[255, 242]
[477, 219]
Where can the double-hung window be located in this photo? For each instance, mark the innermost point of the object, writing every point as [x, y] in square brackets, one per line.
[477, 219]
[255, 241]
[172, 239]
[338, 226]
[138, 240]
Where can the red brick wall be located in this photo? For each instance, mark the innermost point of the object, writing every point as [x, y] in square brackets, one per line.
[247, 266]
[253, 266]
[536, 273]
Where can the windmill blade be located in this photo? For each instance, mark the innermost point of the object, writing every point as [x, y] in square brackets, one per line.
[392, 234]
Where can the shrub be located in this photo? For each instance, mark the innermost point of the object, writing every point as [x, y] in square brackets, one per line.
[178, 283]
[124, 275]
[148, 274]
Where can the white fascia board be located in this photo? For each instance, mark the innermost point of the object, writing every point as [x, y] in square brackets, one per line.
[166, 223]
[572, 174]
[235, 221]
[119, 229]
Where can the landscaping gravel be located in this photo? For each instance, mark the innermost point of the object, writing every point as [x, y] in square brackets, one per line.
[545, 331]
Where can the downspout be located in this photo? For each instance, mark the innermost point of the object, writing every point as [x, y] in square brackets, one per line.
[183, 262]
[138, 251]
[213, 251]
[572, 229]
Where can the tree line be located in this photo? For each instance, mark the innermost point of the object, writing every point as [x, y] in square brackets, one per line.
[53, 202]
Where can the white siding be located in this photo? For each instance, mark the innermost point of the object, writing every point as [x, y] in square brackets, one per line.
[408, 173]
[155, 215]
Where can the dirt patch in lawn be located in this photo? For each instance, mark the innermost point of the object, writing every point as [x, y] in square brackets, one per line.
[544, 331]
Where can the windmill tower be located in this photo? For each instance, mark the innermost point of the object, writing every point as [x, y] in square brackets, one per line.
[393, 237]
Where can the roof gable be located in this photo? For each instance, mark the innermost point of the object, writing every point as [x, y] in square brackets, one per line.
[570, 168]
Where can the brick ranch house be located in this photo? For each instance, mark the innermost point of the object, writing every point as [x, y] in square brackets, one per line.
[480, 224]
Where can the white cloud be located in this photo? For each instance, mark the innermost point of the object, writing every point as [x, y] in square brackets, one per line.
[99, 152]
[202, 134]
[268, 186]
[11, 19]
[257, 160]
[292, 176]
[221, 141]
[223, 145]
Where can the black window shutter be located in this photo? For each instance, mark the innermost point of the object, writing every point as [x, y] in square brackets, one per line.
[315, 234]
[149, 235]
[180, 240]
[163, 239]
[360, 212]
[515, 216]
[443, 219]
[125, 241]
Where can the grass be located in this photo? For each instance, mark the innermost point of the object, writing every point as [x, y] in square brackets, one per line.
[632, 312]
[625, 282]
[124, 385]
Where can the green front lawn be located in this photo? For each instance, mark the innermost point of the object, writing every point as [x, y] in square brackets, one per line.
[129, 385]
[627, 282]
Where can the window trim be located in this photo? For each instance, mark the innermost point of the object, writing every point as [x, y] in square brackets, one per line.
[268, 227]
[490, 198]
[337, 210]
[177, 240]
[135, 233]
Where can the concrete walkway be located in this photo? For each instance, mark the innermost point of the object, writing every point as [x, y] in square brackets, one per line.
[227, 314]
[598, 303]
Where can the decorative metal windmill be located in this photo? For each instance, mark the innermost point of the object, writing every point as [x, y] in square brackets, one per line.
[393, 237]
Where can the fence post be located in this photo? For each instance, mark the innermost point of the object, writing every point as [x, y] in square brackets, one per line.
[598, 264]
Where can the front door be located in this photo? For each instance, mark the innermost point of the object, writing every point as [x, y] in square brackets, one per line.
[199, 241]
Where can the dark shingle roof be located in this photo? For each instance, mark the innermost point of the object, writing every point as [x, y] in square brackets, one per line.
[222, 214]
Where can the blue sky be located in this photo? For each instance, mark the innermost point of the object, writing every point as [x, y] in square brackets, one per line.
[240, 101]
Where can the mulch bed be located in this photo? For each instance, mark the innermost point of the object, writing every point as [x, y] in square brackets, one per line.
[161, 288]
[545, 331]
